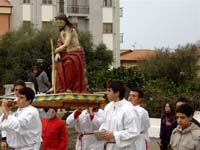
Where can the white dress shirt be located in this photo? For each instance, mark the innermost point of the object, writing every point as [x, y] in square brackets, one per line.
[122, 119]
[23, 129]
[145, 124]
[85, 127]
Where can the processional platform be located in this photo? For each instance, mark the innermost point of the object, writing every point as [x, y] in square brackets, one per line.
[66, 100]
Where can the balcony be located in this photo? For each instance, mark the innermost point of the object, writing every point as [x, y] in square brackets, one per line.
[78, 10]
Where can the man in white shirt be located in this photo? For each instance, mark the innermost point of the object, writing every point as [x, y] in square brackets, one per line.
[85, 121]
[19, 84]
[135, 96]
[121, 126]
[23, 127]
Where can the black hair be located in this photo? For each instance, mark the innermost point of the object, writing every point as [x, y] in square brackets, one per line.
[139, 91]
[28, 92]
[63, 17]
[171, 106]
[56, 110]
[182, 99]
[117, 85]
[19, 82]
[185, 109]
[47, 109]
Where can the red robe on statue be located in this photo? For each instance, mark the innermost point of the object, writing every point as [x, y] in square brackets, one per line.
[70, 73]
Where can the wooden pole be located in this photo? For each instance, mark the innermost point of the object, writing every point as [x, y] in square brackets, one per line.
[53, 75]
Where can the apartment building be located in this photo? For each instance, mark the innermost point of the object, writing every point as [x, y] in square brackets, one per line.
[100, 17]
[5, 13]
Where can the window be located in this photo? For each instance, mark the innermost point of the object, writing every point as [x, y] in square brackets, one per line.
[121, 38]
[107, 3]
[61, 6]
[46, 24]
[121, 11]
[26, 23]
[26, 1]
[46, 1]
[107, 28]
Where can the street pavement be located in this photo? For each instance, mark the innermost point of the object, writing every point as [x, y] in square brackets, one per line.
[153, 145]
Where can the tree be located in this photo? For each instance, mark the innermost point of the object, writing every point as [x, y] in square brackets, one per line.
[20, 50]
[170, 75]
[176, 68]
[130, 76]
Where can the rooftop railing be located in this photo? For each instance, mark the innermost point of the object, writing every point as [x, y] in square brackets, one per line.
[78, 9]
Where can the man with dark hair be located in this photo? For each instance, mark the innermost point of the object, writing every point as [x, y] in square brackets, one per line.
[122, 126]
[186, 135]
[180, 101]
[23, 127]
[42, 80]
[31, 77]
[69, 59]
[135, 97]
[139, 91]
[19, 84]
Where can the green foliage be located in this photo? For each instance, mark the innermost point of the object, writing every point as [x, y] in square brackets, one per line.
[176, 68]
[130, 76]
[20, 50]
[99, 59]
[170, 74]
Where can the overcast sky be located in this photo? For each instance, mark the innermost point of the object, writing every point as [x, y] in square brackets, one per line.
[159, 23]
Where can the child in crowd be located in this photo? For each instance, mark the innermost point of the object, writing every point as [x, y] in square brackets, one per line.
[23, 127]
[54, 132]
[165, 126]
[186, 136]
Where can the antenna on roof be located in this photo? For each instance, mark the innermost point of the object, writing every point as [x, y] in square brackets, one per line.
[134, 45]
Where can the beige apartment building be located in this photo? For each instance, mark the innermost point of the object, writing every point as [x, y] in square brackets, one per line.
[5, 14]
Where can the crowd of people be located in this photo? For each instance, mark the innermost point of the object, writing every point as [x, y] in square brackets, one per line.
[178, 122]
[121, 125]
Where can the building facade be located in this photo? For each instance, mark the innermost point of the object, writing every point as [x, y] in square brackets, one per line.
[131, 58]
[100, 17]
[5, 14]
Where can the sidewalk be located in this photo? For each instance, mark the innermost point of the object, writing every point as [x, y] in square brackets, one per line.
[153, 145]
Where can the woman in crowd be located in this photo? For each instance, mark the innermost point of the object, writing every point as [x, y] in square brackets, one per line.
[166, 121]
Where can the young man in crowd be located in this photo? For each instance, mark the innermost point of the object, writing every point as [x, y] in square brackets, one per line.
[135, 96]
[54, 132]
[23, 127]
[186, 136]
[19, 84]
[121, 126]
[180, 101]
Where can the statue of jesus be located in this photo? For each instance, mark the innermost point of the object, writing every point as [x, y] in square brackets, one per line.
[69, 59]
